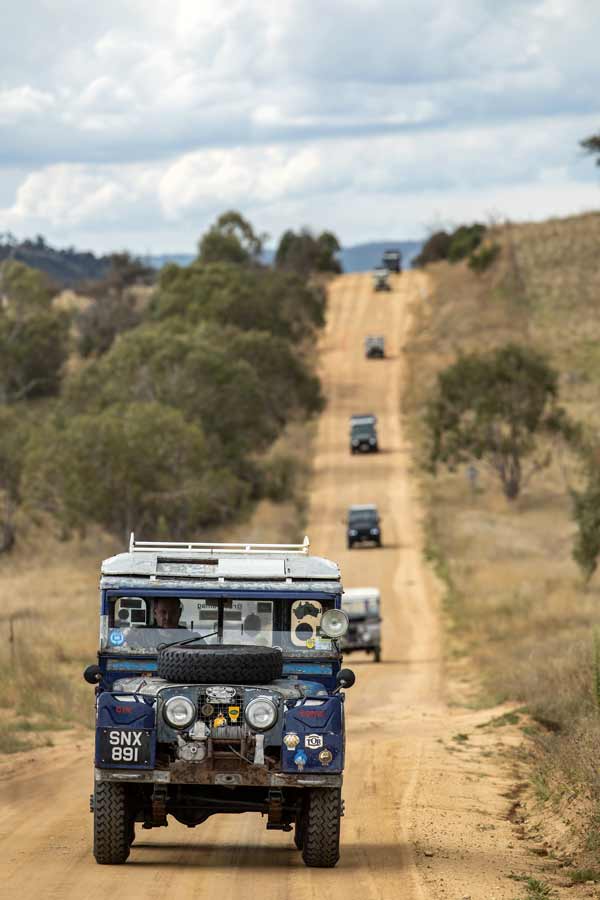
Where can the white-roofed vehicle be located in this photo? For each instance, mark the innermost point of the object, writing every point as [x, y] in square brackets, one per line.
[218, 690]
[375, 346]
[362, 606]
[392, 260]
[380, 276]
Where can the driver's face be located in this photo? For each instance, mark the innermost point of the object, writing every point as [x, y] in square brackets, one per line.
[166, 612]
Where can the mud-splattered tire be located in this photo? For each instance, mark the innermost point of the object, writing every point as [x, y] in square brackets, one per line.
[321, 845]
[113, 824]
[227, 663]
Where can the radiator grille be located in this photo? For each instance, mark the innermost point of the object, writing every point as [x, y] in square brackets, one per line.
[221, 718]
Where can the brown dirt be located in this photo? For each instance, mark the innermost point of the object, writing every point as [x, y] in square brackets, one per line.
[427, 794]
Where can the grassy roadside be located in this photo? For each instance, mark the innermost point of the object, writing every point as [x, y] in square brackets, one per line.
[515, 603]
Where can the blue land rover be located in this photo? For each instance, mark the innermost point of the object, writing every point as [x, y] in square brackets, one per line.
[219, 689]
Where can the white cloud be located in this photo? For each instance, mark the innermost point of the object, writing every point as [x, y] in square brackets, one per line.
[23, 102]
[65, 196]
[159, 115]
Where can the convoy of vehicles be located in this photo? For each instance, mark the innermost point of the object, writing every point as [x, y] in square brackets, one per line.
[364, 630]
[219, 682]
[219, 689]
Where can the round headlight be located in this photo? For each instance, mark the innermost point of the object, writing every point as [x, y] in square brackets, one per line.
[261, 713]
[179, 712]
[334, 623]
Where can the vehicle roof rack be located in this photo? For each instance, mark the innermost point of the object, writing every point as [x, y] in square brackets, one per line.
[216, 549]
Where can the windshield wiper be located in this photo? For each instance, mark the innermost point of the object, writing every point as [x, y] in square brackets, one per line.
[198, 637]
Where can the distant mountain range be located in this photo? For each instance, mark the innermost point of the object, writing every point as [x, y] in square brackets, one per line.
[70, 267]
[359, 258]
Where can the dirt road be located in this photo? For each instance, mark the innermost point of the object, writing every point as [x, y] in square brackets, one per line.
[412, 808]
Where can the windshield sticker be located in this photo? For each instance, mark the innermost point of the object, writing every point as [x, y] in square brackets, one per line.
[116, 638]
[323, 643]
[306, 618]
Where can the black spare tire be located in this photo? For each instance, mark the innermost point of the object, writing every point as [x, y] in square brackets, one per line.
[232, 663]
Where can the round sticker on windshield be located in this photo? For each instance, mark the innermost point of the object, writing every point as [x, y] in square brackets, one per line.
[116, 638]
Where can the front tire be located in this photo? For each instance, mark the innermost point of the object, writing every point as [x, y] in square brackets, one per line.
[113, 824]
[321, 845]
[299, 832]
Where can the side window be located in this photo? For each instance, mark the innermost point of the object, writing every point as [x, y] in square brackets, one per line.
[130, 612]
[305, 621]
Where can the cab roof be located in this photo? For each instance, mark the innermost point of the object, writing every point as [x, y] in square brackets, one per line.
[216, 565]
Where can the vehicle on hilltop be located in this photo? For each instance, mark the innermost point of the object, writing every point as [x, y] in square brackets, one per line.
[392, 260]
[219, 689]
[364, 630]
[363, 525]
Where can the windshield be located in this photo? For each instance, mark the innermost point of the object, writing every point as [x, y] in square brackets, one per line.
[364, 518]
[362, 430]
[357, 607]
[140, 624]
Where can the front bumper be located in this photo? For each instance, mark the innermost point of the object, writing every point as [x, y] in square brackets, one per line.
[196, 773]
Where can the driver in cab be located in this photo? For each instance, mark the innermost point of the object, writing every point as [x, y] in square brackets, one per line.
[167, 612]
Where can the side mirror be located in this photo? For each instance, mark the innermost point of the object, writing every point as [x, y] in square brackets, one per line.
[93, 674]
[345, 678]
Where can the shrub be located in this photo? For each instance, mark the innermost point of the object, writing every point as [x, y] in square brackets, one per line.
[434, 249]
[304, 253]
[483, 258]
[33, 335]
[493, 407]
[464, 241]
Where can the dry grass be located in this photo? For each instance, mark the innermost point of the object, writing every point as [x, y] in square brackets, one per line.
[515, 600]
[49, 604]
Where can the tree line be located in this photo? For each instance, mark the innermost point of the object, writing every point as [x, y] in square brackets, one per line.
[158, 414]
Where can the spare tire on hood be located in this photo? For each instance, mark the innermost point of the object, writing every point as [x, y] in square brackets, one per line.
[233, 663]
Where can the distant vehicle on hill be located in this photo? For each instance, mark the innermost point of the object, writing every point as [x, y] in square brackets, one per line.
[374, 346]
[380, 277]
[392, 260]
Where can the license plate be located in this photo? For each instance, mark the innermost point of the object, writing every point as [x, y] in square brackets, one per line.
[125, 746]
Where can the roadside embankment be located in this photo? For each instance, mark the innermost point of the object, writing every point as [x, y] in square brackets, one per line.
[515, 602]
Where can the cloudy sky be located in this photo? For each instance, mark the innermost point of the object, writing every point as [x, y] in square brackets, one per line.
[133, 123]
